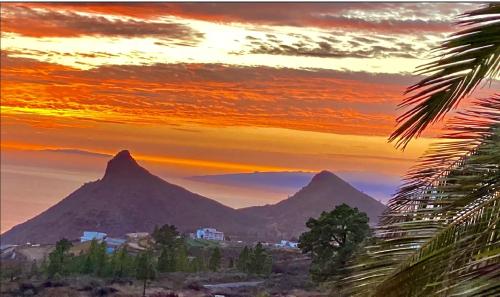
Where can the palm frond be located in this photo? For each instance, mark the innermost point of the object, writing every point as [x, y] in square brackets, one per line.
[464, 60]
[441, 232]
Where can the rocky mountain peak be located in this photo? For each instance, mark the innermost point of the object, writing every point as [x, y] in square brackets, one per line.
[123, 165]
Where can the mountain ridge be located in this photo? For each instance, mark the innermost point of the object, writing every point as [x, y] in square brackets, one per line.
[128, 198]
[326, 190]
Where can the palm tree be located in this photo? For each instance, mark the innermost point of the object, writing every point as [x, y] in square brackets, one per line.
[440, 235]
[441, 232]
[463, 62]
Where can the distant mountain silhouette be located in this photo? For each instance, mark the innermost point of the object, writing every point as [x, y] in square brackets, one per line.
[287, 218]
[129, 199]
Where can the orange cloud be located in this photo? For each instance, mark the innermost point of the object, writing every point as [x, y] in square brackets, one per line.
[219, 95]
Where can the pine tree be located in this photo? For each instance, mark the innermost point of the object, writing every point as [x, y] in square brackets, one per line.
[58, 258]
[255, 261]
[119, 265]
[215, 260]
[166, 261]
[95, 261]
[145, 268]
[268, 265]
[196, 264]
[166, 235]
[87, 266]
[100, 259]
[262, 261]
[181, 257]
[243, 260]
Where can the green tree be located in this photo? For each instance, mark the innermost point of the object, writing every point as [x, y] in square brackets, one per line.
[214, 262]
[120, 265]
[166, 235]
[87, 266]
[95, 260]
[259, 260]
[181, 256]
[166, 260]
[243, 260]
[197, 264]
[100, 259]
[254, 260]
[332, 239]
[58, 258]
[145, 268]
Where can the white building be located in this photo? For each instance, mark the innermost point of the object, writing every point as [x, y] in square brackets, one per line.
[285, 244]
[136, 235]
[209, 234]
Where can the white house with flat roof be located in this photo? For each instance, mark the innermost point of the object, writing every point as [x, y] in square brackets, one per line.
[209, 234]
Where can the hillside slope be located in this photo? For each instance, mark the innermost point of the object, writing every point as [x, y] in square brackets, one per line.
[287, 218]
[127, 199]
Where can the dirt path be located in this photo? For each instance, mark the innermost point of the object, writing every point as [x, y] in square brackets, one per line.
[233, 285]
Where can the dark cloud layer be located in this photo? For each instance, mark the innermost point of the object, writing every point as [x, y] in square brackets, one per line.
[50, 23]
[330, 47]
[397, 17]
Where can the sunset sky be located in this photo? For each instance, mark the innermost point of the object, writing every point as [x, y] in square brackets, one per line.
[207, 89]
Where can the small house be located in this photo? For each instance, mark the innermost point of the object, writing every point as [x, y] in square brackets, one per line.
[209, 234]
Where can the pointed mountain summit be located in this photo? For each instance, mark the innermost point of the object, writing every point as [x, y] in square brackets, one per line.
[127, 199]
[326, 190]
[325, 176]
[123, 165]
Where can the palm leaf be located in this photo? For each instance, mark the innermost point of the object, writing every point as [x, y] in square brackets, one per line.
[463, 61]
[441, 232]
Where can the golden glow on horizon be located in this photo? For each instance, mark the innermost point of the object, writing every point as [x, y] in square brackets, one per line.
[236, 167]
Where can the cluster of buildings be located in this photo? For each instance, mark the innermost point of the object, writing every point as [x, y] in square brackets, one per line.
[132, 238]
[111, 243]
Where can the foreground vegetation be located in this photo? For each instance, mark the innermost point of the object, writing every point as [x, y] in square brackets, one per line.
[440, 235]
[289, 276]
[164, 255]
